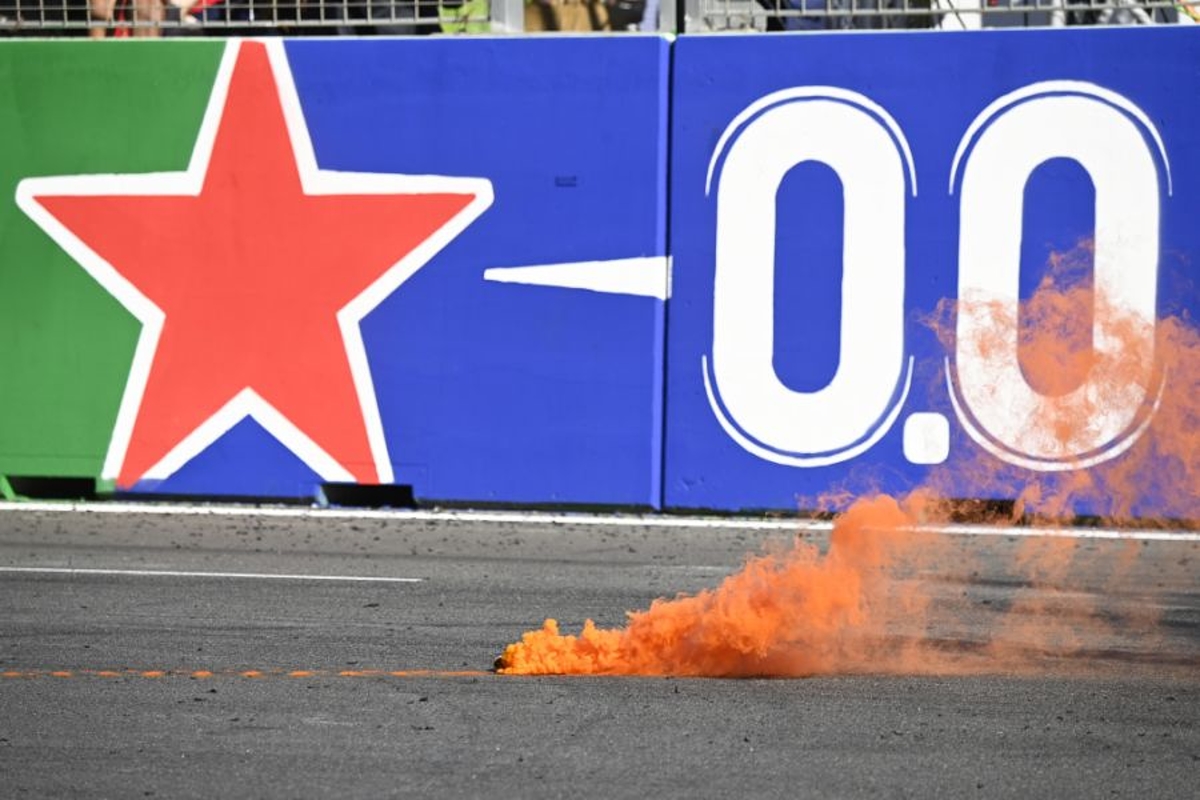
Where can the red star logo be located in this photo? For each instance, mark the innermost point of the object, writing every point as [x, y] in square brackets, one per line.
[250, 273]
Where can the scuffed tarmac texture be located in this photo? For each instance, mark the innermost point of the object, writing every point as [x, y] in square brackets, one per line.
[1129, 729]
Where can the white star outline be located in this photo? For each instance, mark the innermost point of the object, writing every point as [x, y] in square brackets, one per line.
[189, 183]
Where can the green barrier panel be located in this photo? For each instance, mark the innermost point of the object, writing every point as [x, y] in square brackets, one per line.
[75, 108]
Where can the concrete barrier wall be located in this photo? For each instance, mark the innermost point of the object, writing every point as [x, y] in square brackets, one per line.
[828, 192]
[251, 269]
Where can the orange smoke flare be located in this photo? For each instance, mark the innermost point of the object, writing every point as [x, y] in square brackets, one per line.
[796, 612]
[871, 603]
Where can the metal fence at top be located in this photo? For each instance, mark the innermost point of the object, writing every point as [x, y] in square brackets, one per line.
[148, 18]
[802, 15]
[140, 18]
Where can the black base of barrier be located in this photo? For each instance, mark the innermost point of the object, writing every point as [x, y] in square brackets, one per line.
[57, 488]
[38, 487]
[359, 496]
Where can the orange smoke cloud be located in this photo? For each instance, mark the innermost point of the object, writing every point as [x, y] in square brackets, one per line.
[877, 601]
[795, 612]
[1098, 373]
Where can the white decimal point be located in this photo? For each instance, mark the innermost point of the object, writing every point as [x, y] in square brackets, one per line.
[926, 438]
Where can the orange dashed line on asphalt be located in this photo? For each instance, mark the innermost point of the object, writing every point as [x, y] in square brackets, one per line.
[251, 674]
[437, 673]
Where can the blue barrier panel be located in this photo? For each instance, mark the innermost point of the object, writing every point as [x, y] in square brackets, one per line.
[494, 238]
[829, 190]
[517, 392]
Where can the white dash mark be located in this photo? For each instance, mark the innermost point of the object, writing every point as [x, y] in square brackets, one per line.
[647, 276]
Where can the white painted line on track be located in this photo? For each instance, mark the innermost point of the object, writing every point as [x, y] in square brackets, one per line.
[165, 573]
[793, 525]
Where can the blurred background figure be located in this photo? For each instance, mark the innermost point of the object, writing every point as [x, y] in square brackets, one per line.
[626, 15]
[118, 18]
[650, 17]
[566, 15]
[810, 15]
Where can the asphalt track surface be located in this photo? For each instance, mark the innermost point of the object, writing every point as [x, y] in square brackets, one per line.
[129, 683]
